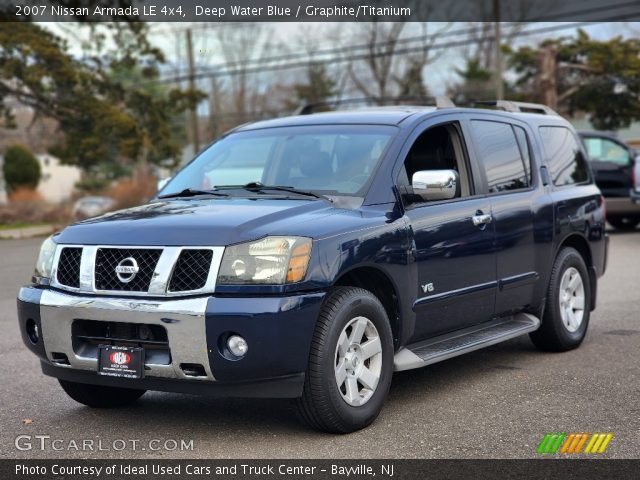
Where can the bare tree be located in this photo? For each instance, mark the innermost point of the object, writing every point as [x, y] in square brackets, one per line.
[395, 58]
[375, 78]
[239, 46]
[410, 66]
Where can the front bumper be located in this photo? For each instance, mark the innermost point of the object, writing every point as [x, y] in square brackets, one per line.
[278, 331]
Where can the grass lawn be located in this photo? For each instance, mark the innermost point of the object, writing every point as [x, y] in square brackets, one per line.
[12, 226]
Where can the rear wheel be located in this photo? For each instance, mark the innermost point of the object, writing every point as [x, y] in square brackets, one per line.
[566, 316]
[624, 223]
[350, 365]
[97, 396]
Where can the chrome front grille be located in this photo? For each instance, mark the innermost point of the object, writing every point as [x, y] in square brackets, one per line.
[136, 270]
[192, 269]
[108, 259]
[68, 272]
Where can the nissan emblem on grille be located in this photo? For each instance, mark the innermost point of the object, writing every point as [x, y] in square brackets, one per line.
[127, 269]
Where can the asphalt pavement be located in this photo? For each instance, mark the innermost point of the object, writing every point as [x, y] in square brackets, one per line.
[494, 403]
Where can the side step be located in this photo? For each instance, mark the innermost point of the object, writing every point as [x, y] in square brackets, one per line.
[460, 342]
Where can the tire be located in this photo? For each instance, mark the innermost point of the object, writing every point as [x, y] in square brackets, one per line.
[344, 408]
[624, 223]
[564, 329]
[97, 396]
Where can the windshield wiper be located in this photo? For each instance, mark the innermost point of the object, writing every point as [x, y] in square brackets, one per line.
[190, 192]
[259, 187]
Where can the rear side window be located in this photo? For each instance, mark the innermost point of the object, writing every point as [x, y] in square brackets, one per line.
[505, 166]
[567, 165]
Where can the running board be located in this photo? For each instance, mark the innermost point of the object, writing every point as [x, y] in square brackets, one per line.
[460, 342]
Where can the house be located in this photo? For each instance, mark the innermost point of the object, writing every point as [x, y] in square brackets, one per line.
[57, 181]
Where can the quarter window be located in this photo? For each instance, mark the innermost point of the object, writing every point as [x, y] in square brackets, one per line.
[567, 165]
[506, 166]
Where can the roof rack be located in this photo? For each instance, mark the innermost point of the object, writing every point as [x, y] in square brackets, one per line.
[518, 107]
[438, 102]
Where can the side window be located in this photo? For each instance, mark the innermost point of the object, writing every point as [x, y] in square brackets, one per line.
[567, 165]
[437, 148]
[606, 150]
[501, 154]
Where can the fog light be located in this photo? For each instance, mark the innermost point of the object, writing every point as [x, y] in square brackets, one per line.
[32, 331]
[237, 345]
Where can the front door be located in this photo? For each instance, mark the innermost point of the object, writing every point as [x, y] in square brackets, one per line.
[454, 239]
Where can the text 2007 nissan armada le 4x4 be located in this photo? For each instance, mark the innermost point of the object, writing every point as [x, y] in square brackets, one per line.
[312, 256]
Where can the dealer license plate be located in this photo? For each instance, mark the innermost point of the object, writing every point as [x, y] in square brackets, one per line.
[117, 361]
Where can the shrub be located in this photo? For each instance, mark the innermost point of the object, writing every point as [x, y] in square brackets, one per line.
[24, 194]
[25, 208]
[20, 168]
[134, 191]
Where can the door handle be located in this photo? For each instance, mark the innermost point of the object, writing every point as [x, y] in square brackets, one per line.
[481, 219]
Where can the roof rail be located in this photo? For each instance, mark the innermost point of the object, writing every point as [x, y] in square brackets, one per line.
[438, 102]
[518, 107]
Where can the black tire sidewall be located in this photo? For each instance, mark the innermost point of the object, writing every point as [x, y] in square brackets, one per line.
[360, 303]
[625, 223]
[566, 259]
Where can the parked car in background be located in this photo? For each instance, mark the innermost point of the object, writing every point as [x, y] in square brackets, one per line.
[614, 164]
[87, 207]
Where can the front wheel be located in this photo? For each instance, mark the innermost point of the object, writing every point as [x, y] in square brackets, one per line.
[566, 316]
[97, 396]
[350, 364]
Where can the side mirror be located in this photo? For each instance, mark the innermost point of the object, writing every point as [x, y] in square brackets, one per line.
[435, 184]
[162, 182]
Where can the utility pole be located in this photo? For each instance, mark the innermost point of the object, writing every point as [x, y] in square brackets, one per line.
[498, 51]
[547, 66]
[214, 108]
[192, 86]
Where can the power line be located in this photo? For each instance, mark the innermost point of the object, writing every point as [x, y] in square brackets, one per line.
[258, 68]
[401, 41]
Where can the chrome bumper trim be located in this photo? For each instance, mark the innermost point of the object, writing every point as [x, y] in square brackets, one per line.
[184, 320]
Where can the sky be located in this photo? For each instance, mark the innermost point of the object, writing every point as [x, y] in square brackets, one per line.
[170, 37]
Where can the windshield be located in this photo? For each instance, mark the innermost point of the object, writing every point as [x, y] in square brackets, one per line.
[332, 160]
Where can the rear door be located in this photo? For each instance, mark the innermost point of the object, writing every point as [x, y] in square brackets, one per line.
[517, 204]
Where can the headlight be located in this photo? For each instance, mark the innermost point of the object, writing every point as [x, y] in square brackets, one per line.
[270, 261]
[45, 258]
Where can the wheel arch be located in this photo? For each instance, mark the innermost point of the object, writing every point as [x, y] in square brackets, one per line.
[581, 245]
[380, 284]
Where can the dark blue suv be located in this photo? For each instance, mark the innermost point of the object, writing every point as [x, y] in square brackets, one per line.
[312, 256]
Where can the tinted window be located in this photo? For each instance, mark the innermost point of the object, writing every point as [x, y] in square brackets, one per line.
[566, 163]
[500, 155]
[606, 150]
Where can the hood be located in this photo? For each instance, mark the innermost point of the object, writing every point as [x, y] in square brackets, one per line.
[214, 222]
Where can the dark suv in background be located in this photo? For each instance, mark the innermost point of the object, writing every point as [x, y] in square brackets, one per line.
[312, 256]
[614, 166]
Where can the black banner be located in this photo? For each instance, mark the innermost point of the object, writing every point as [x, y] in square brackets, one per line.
[320, 10]
[582, 469]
